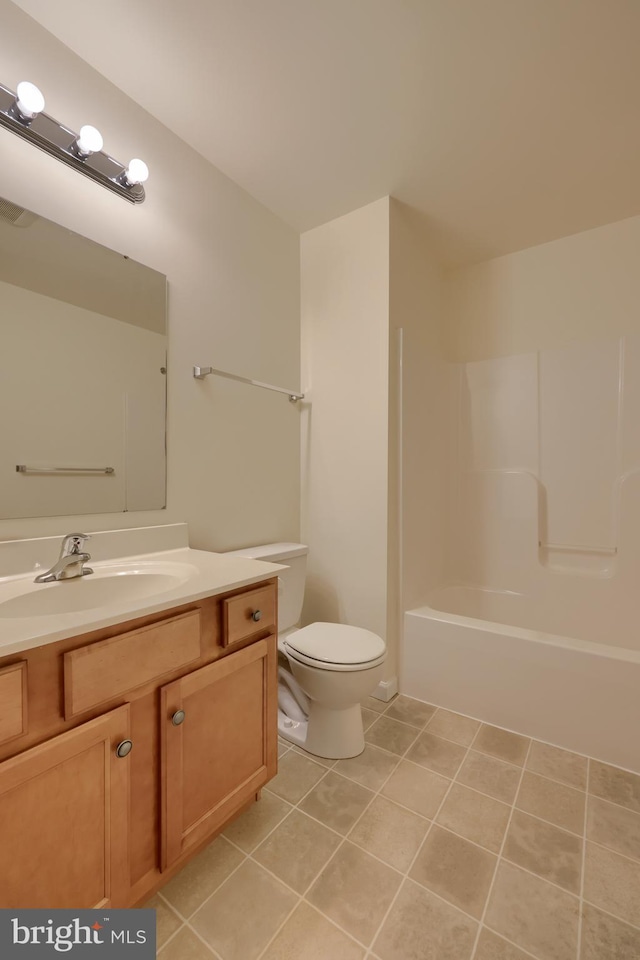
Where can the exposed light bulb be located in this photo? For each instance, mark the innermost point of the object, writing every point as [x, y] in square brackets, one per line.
[29, 100]
[90, 141]
[136, 172]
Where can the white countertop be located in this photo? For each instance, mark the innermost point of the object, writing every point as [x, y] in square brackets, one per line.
[204, 574]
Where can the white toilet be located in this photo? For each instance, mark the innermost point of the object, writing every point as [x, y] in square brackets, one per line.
[329, 667]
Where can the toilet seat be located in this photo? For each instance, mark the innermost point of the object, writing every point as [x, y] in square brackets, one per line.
[335, 646]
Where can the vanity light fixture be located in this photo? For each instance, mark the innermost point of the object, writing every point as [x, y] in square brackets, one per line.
[89, 141]
[23, 113]
[29, 101]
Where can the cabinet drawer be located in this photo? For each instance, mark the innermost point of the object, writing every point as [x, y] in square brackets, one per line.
[109, 668]
[248, 613]
[13, 701]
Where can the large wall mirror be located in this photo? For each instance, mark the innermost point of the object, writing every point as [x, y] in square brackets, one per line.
[83, 349]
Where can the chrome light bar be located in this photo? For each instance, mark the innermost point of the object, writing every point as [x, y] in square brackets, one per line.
[26, 118]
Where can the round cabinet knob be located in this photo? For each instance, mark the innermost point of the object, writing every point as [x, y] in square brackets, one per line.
[178, 718]
[124, 748]
[256, 615]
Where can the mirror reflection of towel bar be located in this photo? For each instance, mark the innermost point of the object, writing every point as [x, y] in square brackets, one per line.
[22, 468]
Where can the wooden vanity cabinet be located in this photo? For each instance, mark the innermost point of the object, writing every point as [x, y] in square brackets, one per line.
[195, 691]
[64, 819]
[219, 744]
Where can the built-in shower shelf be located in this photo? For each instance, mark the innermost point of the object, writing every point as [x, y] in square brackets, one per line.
[577, 559]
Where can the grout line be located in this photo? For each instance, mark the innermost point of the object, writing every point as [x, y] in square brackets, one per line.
[560, 783]
[301, 897]
[214, 953]
[551, 823]
[582, 871]
[614, 916]
[531, 873]
[344, 839]
[616, 853]
[416, 855]
[526, 952]
[209, 895]
[499, 857]
[187, 924]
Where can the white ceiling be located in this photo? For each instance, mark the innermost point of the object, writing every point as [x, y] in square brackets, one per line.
[506, 122]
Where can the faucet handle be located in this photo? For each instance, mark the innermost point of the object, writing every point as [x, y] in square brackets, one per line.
[72, 543]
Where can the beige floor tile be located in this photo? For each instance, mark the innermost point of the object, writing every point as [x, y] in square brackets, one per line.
[410, 711]
[437, 754]
[493, 947]
[614, 827]
[562, 765]
[605, 938]
[501, 744]
[252, 826]
[355, 891]
[491, 776]
[613, 883]
[453, 726]
[391, 735]
[296, 775]
[307, 935]
[201, 876]
[297, 850]
[249, 892]
[552, 801]
[455, 869]
[416, 788]
[336, 802]
[167, 921]
[390, 832]
[422, 927]
[474, 816]
[372, 703]
[368, 717]
[614, 784]
[534, 914]
[283, 748]
[545, 850]
[186, 946]
[323, 761]
[371, 768]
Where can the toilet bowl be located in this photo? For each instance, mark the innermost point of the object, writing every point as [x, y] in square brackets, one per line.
[325, 669]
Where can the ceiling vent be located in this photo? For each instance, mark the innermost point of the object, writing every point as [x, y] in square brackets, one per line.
[15, 215]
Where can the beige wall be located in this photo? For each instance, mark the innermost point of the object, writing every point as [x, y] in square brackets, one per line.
[578, 288]
[233, 269]
[345, 348]
[426, 419]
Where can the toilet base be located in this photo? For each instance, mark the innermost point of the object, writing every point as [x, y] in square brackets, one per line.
[295, 731]
[328, 733]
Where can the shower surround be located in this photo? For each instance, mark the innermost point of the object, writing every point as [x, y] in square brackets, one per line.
[534, 626]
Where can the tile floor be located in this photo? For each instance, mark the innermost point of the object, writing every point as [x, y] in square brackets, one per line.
[447, 839]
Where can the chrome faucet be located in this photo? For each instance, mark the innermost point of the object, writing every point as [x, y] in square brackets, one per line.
[70, 563]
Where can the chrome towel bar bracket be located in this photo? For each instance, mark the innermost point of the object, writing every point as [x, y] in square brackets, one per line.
[201, 372]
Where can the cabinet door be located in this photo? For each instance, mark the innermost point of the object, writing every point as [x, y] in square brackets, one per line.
[219, 744]
[64, 819]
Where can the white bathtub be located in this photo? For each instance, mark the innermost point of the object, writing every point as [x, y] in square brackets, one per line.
[464, 652]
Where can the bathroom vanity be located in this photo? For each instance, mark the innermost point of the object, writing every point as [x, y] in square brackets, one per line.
[125, 747]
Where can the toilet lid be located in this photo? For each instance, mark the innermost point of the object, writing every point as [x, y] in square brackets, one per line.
[336, 643]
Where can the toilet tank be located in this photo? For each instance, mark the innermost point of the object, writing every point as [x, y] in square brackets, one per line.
[290, 582]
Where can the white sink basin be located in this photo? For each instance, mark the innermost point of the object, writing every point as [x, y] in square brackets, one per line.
[112, 583]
